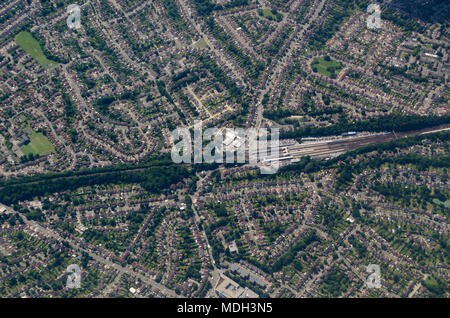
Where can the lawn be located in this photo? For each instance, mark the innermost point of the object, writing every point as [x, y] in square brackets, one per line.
[446, 203]
[202, 44]
[30, 45]
[269, 14]
[39, 144]
[326, 67]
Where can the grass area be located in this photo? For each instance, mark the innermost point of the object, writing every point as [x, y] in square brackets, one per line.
[201, 44]
[39, 145]
[446, 203]
[271, 15]
[326, 66]
[30, 45]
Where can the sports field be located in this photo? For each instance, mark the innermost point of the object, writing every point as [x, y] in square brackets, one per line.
[39, 144]
[30, 45]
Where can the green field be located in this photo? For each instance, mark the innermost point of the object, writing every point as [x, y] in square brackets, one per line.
[39, 145]
[326, 68]
[268, 14]
[446, 203]
[30, 45]
[201, 44]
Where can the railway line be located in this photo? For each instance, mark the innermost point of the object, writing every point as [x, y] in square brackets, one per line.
[328, 147]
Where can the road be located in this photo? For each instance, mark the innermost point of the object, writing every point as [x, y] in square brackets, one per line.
[49, 233]
[295, 43]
